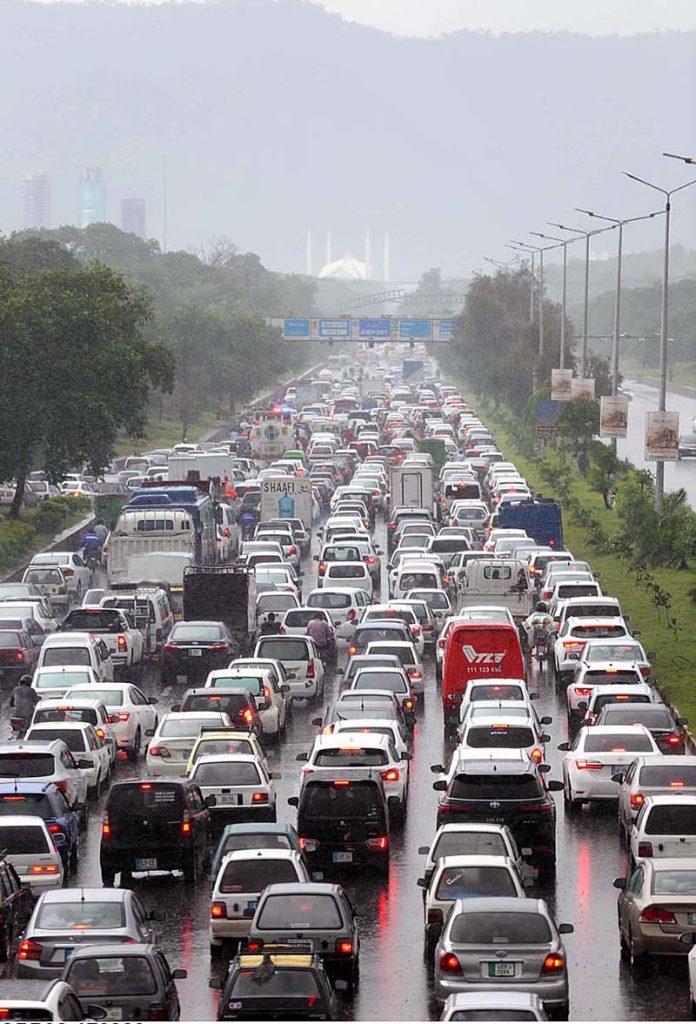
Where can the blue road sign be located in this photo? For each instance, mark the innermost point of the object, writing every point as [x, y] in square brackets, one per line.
[331, 329]
[415, 329]
[297, 327]
[446, 329]
[370, 329]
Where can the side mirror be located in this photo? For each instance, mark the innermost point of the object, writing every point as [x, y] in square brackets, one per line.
[176, 707]
[274, 776]
[534, 695]
[421, 883]
[216, 984]
[284, 688]
[302, 757]
[546, 720]
[423, 850]
[651, 655]
[149, 732]
[563, 746]
[156, 915]
[635, 633]
[78, 807]
[651, 679]
[58, 838]
[582, 705]
[437, 769]
[545, 738]
[619, 883]
[682, 721]
[211, 800]
[544, 769]
[440, 786]
[618, 777]
[179, 974]
[555, 786]
[153, 700]
[315, 557]
[84, 764]
[565, 929]
[293, 801]
[317, 721]
[407, 756]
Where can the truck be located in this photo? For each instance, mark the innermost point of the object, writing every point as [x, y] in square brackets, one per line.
[475, 651]
[541, 518]
[412, 485]
[270, 437]
[503, 582]
[222, 593]
[114, 626]
[287, 497]
[203, 465]
[435, 448]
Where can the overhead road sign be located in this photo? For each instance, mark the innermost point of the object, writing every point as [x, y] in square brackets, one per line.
[366, 329]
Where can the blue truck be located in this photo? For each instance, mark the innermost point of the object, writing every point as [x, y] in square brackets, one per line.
[541, 518]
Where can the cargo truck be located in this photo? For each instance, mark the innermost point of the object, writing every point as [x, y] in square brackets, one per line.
[412, 485]
[223, 593]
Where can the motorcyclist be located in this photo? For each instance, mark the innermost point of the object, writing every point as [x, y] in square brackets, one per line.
[101, 531]
[248, 522]
[539, 618]
[91, 546]
[23, 700]
[318, 630]
[270, 627]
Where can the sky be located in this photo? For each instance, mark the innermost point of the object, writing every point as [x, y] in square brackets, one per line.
[433, 17]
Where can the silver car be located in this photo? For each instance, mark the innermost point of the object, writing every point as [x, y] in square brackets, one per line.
[506, 942]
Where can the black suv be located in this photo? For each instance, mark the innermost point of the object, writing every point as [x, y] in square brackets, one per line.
[504, 792]
[16, 902]
[240, 705]
[154, 825]
[343, 821]
[193, 649]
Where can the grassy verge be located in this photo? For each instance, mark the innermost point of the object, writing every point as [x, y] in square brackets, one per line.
[21, 538]
[166, 432]
[675, 655]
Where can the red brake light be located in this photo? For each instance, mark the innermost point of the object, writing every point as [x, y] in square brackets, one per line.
[583, 691]
[259, 798]
[100, 733]
[536, 756]
[159, 752]
[218, 910]
[29, 950]
[123, 716]
[645, 850]
[248, 716]
[637, 800]
[310, 670]
[54, 829]
[673, 739]
[171, 647]
[351, 615]
[322, 568]
[122, 642]
[378, 843]
[553, 964]
[657, 915]
[341, 782]
[43, 869]
[344, 947]
[392, 775]
[589, 765]
[676, 783]
[449, 964]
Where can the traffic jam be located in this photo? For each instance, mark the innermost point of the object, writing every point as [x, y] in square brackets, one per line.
[328, 723]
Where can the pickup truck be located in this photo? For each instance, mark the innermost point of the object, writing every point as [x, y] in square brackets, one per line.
[497, 581]
[112, 625]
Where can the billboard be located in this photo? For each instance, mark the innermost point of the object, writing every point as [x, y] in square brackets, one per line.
[582, 387]
[561, 385]
[661, 436]
[287, 497]
[613, 416]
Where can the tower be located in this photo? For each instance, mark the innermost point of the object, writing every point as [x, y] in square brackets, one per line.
[387, 269]
[92, 197]
[37, 201]
[133, 216]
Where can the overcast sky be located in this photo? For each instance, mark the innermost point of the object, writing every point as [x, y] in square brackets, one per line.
[431, 17]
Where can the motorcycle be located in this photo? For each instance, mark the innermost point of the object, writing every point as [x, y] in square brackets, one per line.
[18, 726]
[541, 642]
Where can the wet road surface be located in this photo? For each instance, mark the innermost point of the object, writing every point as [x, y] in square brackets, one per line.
[394, 977]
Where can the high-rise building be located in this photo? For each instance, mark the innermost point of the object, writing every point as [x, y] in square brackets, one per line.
[37, 201]
[133, 216]
[92, 197]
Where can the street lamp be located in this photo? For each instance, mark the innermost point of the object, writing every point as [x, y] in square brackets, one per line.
[502, 263]
[617, 297]
[541, 249]
[564, 243]
[686, 159]
[662, 402]
[530, 253]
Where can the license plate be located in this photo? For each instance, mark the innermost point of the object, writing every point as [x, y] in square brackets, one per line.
[498, 970]
[61, 954]
[195, 652]
[495, 821]
[251, 904]
[115, 1013]
[145, 863]
[341, 857]
[691, 918]
[231, 798]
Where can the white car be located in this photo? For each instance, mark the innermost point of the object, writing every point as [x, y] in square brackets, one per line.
[172, 743]
[77, 573]
[85, 746]
[579, 692]
[300, 658]
[574, 636]
[241, 785]
[407, 655]
[438, 600]
[626, 650]
[509, 690]
[471, 838]
[497, 1004]
[28, 846]
[48, 761]
[113, 626]
[345, 751]
[378, 727]
[347, 574]
[512, 729]
[87, 709]
[38, 608]
[77, 648]
[665, 827]
[401, 611]
[653, 775]
[133, 715]
[55, 682]
[261, 683]
[344, 604]
[595, 756]
[242, 877]
[637, 693]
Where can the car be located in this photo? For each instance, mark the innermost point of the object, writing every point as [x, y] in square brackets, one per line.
[55, 682]
[15, 906]
[236, 787]
[254, 835]
[300, 657]
[665, 826]
[224, 741]
[37, 1000]
[594, 756]
[609, 696]
[113, 625]
[471, 839]
[153, 824]
[656, 905]
[460, 877]
[579, 692]
[651, 775]
[359, 661]
[133, 715]
[28, 846]
[50, 761]
[494, 729]
[495, 1005]
[238, 703]
[38, 608]
[77, 573]
[276, 986]
[193, 649]
[46, 801]
[502, 787]
[344, 752]
[316, 912]
[269, 696]
[344, 605]
[63, 919]
[425, 619]
[578, 635]
[128, 980]
[503, 941]
[93, 712]
[391, 680]
[241, 878]
[407, 655]
[436, 599]
[393, 729]
[382, 628]
[50, 582]
[86, 747]
[19, 654]
[354, 574]
[666, 730]
[295, 621]
[509, 691]
[619, 649]
[174, 738]
[77, 649]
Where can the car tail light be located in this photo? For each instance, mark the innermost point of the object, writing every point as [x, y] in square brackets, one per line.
[414, 673]
[369, 560]
[19, 656]
[351, 614]
[266, 693]
[106, 825]
[259, 798]
[592, 766]
[43, 869]
[572, 645]
[62, 785]
[322, 568]
[676, 783]
[449, 964]
[219, 647]
[541, 807]
[582, 691]
[68, 572]
[645, 670]
[657, 915]
[391, 776]
[293, 550]
[253, 947]
[282, 630]
[637, 800]
[54, 829]
[553, 964]
[122, 716]
[171, 647]
[218, 910]
[159, 752]
[441, 644]
[310, 845]
[29, 950]
[248, 716]
[344, 947]
[416, 630]
[186, 824]
[100, 733]
[645, 850]
[537, 755]
[673, 739]
[378, 843]
[310, 670]
[157, 1011]
[409, 704]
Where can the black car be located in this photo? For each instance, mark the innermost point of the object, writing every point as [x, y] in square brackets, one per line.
[154, 825]
[240, 705]
[505, 792]
[193, 649]
[666, 730]
[343, 821]
[376, 631]
[16, 902]
[129, 982]
[276, 986]
[45, 800]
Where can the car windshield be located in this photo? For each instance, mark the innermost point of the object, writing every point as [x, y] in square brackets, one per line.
[81, 915]
[254, 684]
[9, 638]
[457, 883]
[345, 800]
[18, 839]
[275, 602]
[411, 580]
[112, 976]
[367, 634]
[111, 698]
[256, 841]
[495, 787]
[74, 739]
[350, 757]
[283, 648]
[613, 652]
[322, 600]
[26, 803]
[496, 691]
[227, 773]
[671, 820]
[283, 983]
[93, 619]
[392, 681]
[62, 714]
[493, 1014]
[200, 634]
[26, 765]
[465, 844]
[311, 910]
[592, 611]
[619, 743]
[255, 874]
[230, 703]
[678, 882]
[65, 656]
[404, 654]
[222, 746]
[513, 736]
[500, 928]
[669, 777]
[612, 678]
[156, 800]
[350, 571]
[173, 728]
[650, 716]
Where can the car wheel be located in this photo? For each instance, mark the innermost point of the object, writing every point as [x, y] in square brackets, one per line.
[547, 868]
[73, 859]
[191, 869]
[134, 752]
[126, 878]
[693, 1010]
[108, 879]
[97, 787]
[560, 1012]
[572, 806]
[5, 945]
[636, 960]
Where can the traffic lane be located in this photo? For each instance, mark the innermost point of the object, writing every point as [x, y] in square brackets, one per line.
[677, 474]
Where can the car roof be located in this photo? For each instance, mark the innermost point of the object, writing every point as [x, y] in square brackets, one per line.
[252, 827]
[44, 726]
[228, 759]
[494, 998]
[672, 798]
[23, 820]
[32, 746]
[113, 949]
[512, 760]
[339, 741]
[493, 718]
[500, 904]
[472, 860]
[265, 853]
[25, 785]
[85, 893]
[302, 888]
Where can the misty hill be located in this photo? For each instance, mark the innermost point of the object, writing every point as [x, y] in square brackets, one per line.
[275, 116]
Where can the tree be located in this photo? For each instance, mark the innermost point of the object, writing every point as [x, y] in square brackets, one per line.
[578, 422]
[75, 370]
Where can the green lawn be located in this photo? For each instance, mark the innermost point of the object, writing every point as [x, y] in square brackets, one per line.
[165, 433]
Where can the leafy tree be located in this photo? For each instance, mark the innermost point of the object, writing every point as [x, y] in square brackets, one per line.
[75, 370]
[578, 422]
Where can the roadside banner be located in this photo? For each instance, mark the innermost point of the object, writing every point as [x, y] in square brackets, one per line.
[661, 436]
[546, 418]
[613, 416]
[582, 387]
[561, 385]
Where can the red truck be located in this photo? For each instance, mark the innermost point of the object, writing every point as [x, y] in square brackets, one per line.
[478, 650]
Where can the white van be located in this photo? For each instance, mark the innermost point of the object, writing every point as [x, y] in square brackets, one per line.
[347, 574]
[78, 649]
[28, 846]
[345, 605]
[149, 606]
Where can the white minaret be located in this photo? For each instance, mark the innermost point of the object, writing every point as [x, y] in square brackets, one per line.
[386, 257]
[308, 253]
[368, 254]
[328, 246]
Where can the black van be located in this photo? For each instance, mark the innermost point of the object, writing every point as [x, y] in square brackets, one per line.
[154, 825]
[343, 820]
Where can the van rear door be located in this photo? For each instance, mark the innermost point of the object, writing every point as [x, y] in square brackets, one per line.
[478, 651]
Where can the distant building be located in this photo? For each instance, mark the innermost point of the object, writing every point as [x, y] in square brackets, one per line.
[133, 216]
[346, 269]
[92, 197]
[37, 201]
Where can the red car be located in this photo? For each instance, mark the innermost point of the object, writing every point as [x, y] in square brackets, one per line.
[18, 655]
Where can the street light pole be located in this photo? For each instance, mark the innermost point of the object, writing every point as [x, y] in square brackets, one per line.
[502, 263]
[676, 156]
[532, 280]
[662, 394]
[564, 243]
